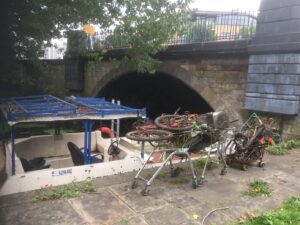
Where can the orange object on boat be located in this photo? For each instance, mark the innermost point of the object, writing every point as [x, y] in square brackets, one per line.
[108, 131]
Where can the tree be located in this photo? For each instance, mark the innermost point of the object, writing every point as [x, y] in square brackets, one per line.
[247, 32]
[146, 24]
[200, 32]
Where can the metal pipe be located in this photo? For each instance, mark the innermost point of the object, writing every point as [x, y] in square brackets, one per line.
[118, 123]
[85, 142]
[90, 142]
[112, 126]
[142, 149]
[13, 149]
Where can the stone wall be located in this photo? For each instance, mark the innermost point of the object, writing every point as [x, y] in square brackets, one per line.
[273, 83]
[46, 76]
[226, 78]
[219, 80]
[53, 78]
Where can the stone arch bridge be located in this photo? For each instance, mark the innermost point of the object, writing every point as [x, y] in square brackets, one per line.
[239, 77]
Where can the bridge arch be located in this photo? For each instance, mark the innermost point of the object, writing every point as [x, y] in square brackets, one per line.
[172, 71]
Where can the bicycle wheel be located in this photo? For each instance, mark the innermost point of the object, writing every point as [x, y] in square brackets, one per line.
[174, 122]
[149, 135]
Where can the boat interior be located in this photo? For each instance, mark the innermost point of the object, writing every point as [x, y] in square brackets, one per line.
[52, 151]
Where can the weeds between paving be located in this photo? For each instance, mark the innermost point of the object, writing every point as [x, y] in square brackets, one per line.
[283, 148]
[67, 191]
[258, 188]
[287, 214]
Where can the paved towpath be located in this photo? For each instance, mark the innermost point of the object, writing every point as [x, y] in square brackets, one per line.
[171, 200]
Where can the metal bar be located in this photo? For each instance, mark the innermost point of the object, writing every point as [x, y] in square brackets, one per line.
[19, 105]
[112, 123]
[90, 124]
[44, 112]
[112, 112]
[30, 105]
[60, 100]
[13, 151]
[85, 105]
[100, 104]
[142, 149]
[118, 122]
[43, 105]
[85, 98]
[85, 142]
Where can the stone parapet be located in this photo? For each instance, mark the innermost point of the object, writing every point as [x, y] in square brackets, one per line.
[273, 83]
[278, 27]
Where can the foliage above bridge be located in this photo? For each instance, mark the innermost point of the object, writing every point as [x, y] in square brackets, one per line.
[145, 25]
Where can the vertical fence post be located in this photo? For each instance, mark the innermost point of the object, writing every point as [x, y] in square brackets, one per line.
[13, 151]
[85, 141]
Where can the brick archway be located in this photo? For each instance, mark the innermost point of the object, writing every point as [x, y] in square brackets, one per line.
[170, 69]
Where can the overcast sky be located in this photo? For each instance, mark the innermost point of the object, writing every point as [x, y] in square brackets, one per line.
[226, 5]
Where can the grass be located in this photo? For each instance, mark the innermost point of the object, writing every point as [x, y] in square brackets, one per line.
[126, 220]
[180, 180]
[289, 213]
[283, 148]
[161, 175]
[200, 163]
[258, 188]
[67, 191]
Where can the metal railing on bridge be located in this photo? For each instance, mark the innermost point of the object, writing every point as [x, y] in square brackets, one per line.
[217, 26]
[202, 27]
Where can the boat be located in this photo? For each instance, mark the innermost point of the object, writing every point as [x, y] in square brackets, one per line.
[48, 156]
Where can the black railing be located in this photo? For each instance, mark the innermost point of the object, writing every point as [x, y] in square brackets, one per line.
[217, 26]
[201, 28]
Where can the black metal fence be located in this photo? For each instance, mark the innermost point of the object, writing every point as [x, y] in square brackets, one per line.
[202, 27]
[217, 26]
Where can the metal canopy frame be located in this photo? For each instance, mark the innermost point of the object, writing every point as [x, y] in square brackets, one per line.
[47, 108]
[102, 107]
[38, 106]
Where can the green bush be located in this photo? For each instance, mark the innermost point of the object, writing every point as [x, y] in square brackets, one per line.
[282, 148]
[200, 32]
[258, 188]
[288, 214]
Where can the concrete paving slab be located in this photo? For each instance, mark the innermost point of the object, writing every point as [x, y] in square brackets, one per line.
[42, 213]
[136, 201]
[178, 197]
[171, 201]
[100, 208]
[168, 214]
[21, 198]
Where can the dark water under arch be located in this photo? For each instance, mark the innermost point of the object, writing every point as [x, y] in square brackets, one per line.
[159, 93]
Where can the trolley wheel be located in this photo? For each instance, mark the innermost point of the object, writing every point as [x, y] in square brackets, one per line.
[229, 161]
[200, 181]
[224, 171]
[194, 183]
[261, 164]
[244, 167]
[145, 191]
[174, 122]
[176, 172]
[134, 184]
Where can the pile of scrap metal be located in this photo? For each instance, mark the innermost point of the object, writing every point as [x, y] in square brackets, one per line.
[180, 135]
[248, 144]
[201, 132]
